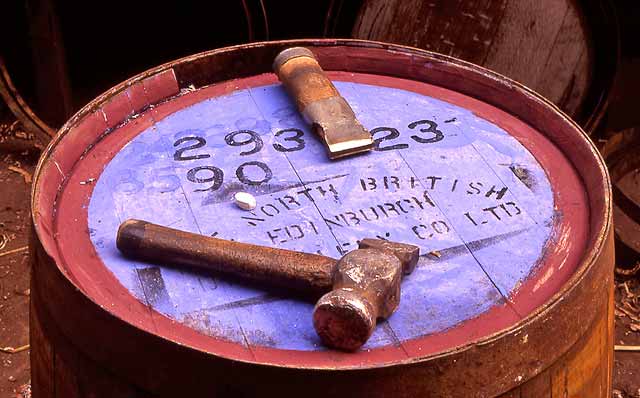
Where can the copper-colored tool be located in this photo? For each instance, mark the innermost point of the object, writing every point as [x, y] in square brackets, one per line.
[361, 287]
[320, 103]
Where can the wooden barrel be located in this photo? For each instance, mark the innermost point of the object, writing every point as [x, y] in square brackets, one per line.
[507, 198]
[565, 50]
[621, 154]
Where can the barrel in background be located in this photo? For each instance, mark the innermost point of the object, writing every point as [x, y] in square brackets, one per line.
[565, 50]
[621, 152]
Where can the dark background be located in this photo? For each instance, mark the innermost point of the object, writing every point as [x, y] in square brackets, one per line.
[103, 43]
[107, 42]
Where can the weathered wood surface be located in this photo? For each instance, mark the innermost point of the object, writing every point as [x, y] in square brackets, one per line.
[554, 47]
[59, 369]
[586, 369]
[565, 341]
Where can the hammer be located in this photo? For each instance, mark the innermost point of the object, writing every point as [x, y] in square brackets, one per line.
[356, 290]
[320, 103]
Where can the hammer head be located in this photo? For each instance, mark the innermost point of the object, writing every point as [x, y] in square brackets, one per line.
[366, 286]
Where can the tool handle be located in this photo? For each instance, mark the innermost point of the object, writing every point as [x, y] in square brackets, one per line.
[303, 78]
[321, 104]
[304, 272]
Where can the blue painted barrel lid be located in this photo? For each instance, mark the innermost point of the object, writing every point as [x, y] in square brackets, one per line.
[473, 197]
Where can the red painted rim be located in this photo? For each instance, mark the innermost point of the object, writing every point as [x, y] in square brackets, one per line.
[81, 264]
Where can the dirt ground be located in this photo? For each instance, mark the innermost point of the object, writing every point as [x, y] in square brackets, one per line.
[17, 163]
[626, 371]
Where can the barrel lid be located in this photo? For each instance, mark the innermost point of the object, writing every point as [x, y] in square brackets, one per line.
[499, 211]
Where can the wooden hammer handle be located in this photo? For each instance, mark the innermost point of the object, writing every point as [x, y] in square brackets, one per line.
[321, 104]
[303, 77]
[303, 272]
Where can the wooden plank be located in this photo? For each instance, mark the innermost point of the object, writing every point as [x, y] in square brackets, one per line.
[608, 345]
[60, 370]
[515, 393]
[582, 77]
[542, 44]
[460, 28]
[584, 370]
[42, 354]
[524, 39]
[559, 381]
[538, 387]
[568, 65]
[419, 195]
